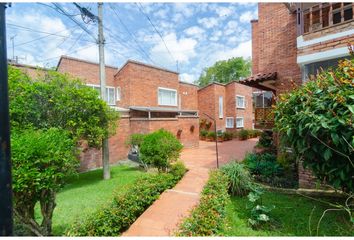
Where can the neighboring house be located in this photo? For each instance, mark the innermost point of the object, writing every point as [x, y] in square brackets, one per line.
[291, 42]
[147, 97]
[229, 104]
[33, 72]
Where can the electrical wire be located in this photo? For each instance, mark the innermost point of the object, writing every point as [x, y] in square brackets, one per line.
[131, 34]
[148, 18]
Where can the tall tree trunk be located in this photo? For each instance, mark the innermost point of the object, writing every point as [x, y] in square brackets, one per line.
[47, 202]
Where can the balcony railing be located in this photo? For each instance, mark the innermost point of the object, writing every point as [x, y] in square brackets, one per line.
[264, 118]
[323, 15]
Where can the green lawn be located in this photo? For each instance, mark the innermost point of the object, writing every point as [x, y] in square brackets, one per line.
[291, 216]
[86, 192]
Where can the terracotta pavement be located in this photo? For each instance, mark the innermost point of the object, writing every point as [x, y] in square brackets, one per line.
[164, 215]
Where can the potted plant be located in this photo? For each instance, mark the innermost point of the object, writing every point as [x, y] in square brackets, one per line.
[203, 134]
[211, 136]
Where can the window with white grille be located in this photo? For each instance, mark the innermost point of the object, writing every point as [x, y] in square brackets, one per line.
[240, 101]
[167, 97]
[239, 122]
[229, 122]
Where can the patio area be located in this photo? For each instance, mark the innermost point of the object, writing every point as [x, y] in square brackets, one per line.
[163, 217]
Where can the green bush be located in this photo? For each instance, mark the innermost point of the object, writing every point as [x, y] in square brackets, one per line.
[316, 121]
[263, 166]
[239, 177]
[211, 135]
[203, 133]
[41, 162]
[208, 218]
[136, 139]
[126, 207]
[159, 149]
[227, 136]
[178, 169]
[243, 134]
[266, 139]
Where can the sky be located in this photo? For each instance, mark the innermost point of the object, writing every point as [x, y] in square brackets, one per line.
[183, 37]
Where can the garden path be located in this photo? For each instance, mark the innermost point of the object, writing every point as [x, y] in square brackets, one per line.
[164, 215]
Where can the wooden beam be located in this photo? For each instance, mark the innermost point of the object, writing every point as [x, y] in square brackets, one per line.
[310, 26]
[321, 22]
[342, 12]
[330, 14]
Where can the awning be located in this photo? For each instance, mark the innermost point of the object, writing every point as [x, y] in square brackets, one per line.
[159, 109]
[262, 81]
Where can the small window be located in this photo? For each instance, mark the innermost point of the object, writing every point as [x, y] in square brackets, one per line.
[118, 93]
[221, 112]
[110, 94]
[239, 122]
[240, 101]
[167, 97]
[229, 122]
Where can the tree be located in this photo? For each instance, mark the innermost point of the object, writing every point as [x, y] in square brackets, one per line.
[41, 160]
[57, 100]
[50, 116]
[225, 71]
[317, 121]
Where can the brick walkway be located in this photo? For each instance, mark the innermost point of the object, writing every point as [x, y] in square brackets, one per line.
[163, 217]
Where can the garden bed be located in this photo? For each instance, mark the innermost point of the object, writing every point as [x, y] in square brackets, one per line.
[83, 194]
[291, 217]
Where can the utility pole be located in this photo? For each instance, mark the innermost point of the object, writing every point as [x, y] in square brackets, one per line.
[105, 145]
[13, 46]
[6, 222]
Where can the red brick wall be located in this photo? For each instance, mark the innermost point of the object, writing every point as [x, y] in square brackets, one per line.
[32, 72]
[88, 72]
[255, 47]
[189, 96]
[92, 158]
[326, 45]
[188, 138]
[206, 101]
[275, 43]
[247, 112]
[143, 83]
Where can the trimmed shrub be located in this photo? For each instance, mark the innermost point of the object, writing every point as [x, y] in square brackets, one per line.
[239, 177]
[136, 139]
[316, 121]
[227, 136]
[203, 133]
[126, 207]
[159, 149]
[208, 218]
[264, 165]
[243, 134]
[266, 139]
[211, 135]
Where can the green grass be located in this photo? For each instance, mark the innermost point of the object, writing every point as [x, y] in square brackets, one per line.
[291, 218]
[84, 193]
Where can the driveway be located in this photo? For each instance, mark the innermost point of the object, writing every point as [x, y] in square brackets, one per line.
[164, 215]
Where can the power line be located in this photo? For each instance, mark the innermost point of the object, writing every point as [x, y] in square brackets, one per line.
[37, 31]
[131, 34]
[74, 20]
[148, 18]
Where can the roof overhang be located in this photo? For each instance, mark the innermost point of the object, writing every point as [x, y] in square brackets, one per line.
[159, 109]
[262, 81]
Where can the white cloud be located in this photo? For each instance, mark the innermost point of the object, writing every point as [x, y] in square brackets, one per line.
[208, 22]
[182, 49]
[246, 17]
[162, 13]
[224, 11]
[195, 32]
[186, 77]
[244, 50]
[184, 8]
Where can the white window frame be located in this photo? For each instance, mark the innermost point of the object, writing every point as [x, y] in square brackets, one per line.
[244, 101]
[243, 122]
[221, 107]
[118, 94]
[167, 89]
[107, 87]
[233, 124]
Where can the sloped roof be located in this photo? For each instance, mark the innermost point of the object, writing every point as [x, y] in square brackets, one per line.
[257, 80]
[146, 65]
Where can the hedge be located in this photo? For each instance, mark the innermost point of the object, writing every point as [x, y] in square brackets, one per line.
[128, 206]
[208, 218]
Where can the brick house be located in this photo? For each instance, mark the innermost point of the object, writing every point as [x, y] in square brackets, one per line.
[147, 97]
[229, 104]
[291, 42]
